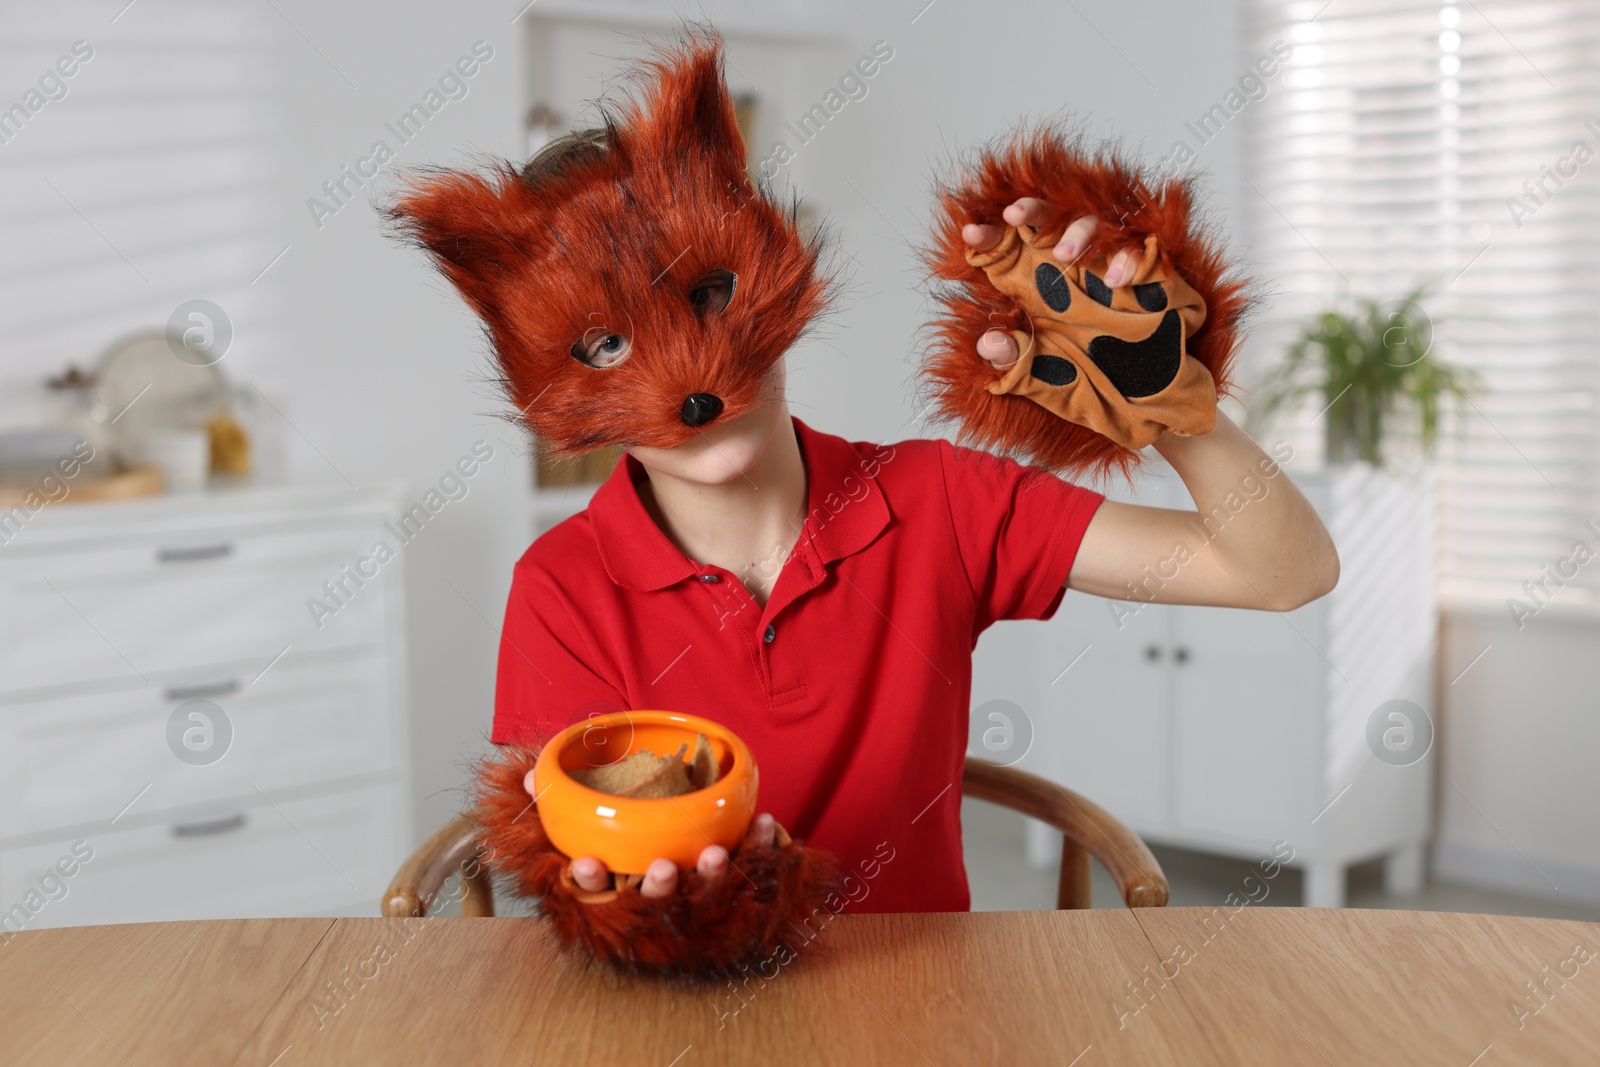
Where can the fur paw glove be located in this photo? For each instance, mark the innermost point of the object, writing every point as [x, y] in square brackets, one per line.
[708, 929]
[1103, 372]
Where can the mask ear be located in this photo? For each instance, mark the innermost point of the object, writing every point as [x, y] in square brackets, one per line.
[474, 227]
[689, 112]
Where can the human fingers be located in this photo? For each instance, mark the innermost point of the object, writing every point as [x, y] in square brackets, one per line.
[1076, 238]
[1026, 211]
[763, 829]
[1122, 268]
[980, 236]
[999, 348]
[660, 878]
[590, 874]
[713, 862]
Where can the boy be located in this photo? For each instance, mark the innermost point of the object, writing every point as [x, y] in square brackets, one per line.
[819, 597]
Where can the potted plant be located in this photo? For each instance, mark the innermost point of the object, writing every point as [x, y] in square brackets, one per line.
[1367, 364]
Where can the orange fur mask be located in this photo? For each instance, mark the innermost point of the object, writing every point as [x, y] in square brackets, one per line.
[639, 288]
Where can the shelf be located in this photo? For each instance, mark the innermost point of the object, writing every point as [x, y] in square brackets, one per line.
[745, 20]
[567, 498]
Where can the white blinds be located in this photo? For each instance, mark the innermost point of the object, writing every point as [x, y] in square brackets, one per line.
[1391, 150]
[146, 178]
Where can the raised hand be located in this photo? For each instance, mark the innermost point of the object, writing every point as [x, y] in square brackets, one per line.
[1104, 340]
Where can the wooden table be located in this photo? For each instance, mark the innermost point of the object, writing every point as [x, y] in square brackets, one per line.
[1256, 986]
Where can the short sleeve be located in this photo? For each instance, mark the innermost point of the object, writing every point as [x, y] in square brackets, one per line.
[543, 681]
[1017, 531]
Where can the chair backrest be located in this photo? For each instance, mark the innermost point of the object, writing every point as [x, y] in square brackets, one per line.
[1086, 830]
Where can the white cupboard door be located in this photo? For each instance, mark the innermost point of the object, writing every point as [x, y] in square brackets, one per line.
[169, 604]
[1248, 698]
[1101, 729]
[98, 757]
[300, 857]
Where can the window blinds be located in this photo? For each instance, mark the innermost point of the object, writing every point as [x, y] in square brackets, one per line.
[148, 177]
[1458, 141]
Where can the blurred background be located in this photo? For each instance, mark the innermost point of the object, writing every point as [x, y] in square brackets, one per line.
[259, 504]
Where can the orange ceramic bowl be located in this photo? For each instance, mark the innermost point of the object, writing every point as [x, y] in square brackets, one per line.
[626, 833]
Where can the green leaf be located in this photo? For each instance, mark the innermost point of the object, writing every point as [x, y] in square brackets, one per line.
[1369, 360]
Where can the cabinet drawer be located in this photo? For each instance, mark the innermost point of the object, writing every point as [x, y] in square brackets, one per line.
[304, 857]
[81, 760]
[156, 606]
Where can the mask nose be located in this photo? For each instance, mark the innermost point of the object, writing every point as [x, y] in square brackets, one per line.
[700, 408]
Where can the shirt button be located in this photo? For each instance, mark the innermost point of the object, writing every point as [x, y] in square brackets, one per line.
[771, 634]
[711, 579]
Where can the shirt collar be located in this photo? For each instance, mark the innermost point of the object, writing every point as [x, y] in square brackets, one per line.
[845, 512]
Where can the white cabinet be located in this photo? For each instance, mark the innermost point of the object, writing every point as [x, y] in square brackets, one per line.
[172, 708]
[152, 602]
[258, 860]
[1229, 730]
[1121, 756]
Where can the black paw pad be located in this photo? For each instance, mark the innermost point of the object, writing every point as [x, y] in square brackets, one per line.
[1151, 296]
[1140, 368]
[1053, 370]
[1053, 287]
[1097, 289]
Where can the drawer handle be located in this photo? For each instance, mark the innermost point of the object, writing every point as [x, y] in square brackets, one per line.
[209, 828]
[1181, 654]
[180, 693]
[195, 553]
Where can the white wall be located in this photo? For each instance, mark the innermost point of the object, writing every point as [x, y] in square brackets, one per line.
[384, 368]
[1520, 726]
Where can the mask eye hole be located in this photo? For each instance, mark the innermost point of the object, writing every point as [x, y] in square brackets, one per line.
[601, 348]
[713, 292]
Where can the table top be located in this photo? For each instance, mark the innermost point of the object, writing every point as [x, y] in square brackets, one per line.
[1158, 986]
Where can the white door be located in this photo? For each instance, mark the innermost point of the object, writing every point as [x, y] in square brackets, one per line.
[1247, 698]
[1104, 685]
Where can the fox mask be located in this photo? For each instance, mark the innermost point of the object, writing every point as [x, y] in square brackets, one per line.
[638, 288]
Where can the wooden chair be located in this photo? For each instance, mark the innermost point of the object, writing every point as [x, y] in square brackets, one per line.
[1086, 830]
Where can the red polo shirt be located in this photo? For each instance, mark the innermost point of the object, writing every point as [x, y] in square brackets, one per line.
[852, 685]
